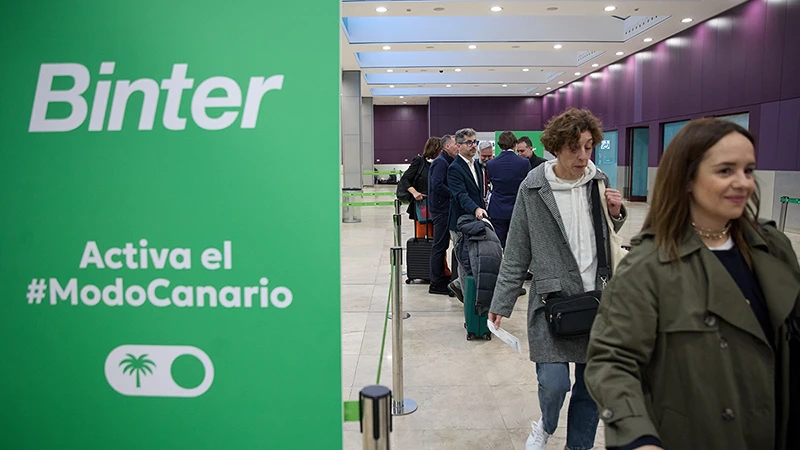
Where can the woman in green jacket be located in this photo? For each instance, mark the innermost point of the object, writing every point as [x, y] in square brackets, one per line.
[690, 347]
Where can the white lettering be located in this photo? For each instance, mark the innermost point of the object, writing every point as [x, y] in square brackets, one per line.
[226, 248]
[130, 256]
[91, 255]
[258, 87]
[182, 296]
[201, 101]
[208, 291]
[58, 293]
[159, 257]
[249, 292]
[151, 292]
[174, 87]
[45, 95]
[90, 295]
[135, 296]
[275, 297]
[185, 256]
[109, 258]
[115, 289]
[230, 297]
[123, 92]
[211, 258]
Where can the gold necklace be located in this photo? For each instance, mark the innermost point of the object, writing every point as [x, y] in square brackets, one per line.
[711, 234]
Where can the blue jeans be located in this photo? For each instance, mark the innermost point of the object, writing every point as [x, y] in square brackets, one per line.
[582, 418]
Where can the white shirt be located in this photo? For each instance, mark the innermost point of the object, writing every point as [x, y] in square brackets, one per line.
[471, 165]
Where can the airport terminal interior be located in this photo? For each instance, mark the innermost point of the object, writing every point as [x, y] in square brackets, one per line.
[419, 69]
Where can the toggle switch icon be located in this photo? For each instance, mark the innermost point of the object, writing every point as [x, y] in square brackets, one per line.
[151, 370]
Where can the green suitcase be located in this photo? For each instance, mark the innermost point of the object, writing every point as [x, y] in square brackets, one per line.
[475, 324]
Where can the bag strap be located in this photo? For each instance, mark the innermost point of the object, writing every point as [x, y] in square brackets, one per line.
[597, 213]
[419, 172]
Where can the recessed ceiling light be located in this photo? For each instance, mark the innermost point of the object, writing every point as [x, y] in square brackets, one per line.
[386, 47]
[390, 70]
[430, 46]
[560, 82]
[610, 8]
[577, 73]
[505, 85]
[458, 70]
[405, 103]
[687, 20]
[558, 46]
[381, 9]
[402, 96]
[620, 53]
[648, 39]
[595, 65]
[497, 8]
[472, 47]
[448, 85]
[391, 85]
[549, 88]
[438, 9]
[526, 70]
[552, 8]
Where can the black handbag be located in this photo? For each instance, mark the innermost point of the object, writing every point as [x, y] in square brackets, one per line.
[574, 315]
[402, 193]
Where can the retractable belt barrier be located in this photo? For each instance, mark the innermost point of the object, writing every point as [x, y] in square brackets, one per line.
[784, 208]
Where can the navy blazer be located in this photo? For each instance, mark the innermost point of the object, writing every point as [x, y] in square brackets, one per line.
[438, 192]
[506, 172]
[465, 195]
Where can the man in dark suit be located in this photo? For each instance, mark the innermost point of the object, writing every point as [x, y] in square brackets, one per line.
[525, 149]
[465, 181]
[506, 173]
[439, 208]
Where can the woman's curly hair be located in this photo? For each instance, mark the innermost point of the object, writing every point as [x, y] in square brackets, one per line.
[566, 129]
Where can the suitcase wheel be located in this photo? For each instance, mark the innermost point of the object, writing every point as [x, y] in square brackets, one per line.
[470, 336]
[487, 336]
[408, 280]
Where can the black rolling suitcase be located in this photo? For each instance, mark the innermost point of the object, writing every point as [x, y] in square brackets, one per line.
[418, 258]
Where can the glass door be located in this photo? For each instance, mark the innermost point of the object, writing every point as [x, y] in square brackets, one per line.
[639, 155]
[606, 157]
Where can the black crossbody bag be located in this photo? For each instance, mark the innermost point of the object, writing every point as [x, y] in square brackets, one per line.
[574, 315]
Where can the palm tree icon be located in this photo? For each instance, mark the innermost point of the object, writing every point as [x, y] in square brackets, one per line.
[138, 365]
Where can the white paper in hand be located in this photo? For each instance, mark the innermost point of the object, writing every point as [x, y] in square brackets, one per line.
[505, 336]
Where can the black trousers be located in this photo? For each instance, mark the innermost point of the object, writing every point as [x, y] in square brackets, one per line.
[441, 241]
[501, 227]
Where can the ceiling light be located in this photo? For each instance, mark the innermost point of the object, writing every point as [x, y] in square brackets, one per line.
[386, 47]
[577, 73]
[620, 53]
[610, 8]
[438, 9]
[505, 85]
[595, 65]
[553, 8]
[381, 9]
[391, 85]
[648, 39]
[515, 46]
[448, 85]
[405, 103]
[526, 70]
[497, 8]
[458, 70]
[390, 70]
[430, 46]
[687, 20]
[472, 47]
[402, 96]
[558, 46]
[549, 88]
[560, 82]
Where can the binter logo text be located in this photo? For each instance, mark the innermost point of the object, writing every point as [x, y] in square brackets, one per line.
[202, 102]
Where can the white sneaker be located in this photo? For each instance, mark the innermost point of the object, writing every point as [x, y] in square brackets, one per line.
[537, 440]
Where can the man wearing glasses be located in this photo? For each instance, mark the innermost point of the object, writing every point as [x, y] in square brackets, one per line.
[465, 182]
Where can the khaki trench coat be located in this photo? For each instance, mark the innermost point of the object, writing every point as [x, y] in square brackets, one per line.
[676, 352]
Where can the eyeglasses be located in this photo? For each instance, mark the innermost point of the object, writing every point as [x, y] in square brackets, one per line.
[470, 143]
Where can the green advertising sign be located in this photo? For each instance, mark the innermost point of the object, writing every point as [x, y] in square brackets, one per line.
[163, 282]
[538, 147]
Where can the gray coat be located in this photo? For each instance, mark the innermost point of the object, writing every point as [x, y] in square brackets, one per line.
[483, 256]
[537, 242]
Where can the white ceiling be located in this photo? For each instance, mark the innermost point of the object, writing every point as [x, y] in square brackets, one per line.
[430, 55]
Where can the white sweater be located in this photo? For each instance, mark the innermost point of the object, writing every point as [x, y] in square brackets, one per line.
[572, 199]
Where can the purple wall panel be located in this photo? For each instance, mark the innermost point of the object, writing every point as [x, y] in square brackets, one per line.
[448, 115]
[745, 60]
[400, 132]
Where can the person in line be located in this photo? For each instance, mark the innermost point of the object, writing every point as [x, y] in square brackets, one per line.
[439, 208]
[525, 150]
[552, 234]
[689, 349]
[465, 182]
[485, 154]
[506, 173]
[416, 178]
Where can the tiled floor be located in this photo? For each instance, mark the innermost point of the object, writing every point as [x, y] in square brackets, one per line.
[471, 395]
